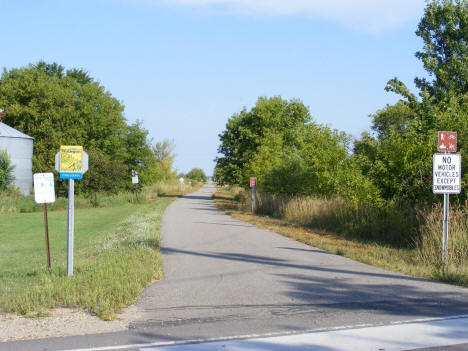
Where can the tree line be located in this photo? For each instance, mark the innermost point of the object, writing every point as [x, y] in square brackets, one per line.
[68, 107]
[278, 142]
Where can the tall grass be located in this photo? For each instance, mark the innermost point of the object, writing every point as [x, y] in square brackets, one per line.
[172, 188]
[429, 244]
[385, 224]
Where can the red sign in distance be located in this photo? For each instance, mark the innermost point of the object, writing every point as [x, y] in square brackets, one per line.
[447, 142]
[253, 181]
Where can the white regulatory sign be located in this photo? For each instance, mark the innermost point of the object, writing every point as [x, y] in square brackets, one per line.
[446, 173]
[44, 191]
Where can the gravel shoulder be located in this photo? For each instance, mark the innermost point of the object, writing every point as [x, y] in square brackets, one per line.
[62, 322]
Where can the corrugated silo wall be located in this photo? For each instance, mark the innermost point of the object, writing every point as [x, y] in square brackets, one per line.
[20, 151]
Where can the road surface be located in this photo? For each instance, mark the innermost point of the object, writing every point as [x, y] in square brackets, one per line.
[225, 278]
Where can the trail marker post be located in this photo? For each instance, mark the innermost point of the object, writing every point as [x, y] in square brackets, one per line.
[135, 182]
[134, 177]
[71, 163]
[44, 193]
[446, 171]
[253, 185]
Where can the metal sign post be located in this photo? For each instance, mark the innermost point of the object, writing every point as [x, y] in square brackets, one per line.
[446, 173]
[71, 163]
[44, 193]
[445, 229]
[253, 199]
[46, 229]
[70, 226]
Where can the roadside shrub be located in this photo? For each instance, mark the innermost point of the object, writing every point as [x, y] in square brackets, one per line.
[240, 195]
[271, 204]
[6, 171]
[197, 174]
[105, 176]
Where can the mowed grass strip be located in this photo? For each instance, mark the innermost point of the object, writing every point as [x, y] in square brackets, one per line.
[406, 260]
[116, 255]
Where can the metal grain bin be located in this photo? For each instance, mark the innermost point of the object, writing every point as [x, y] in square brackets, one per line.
[19, 147]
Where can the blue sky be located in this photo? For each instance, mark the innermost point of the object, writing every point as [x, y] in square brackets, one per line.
[183, 67]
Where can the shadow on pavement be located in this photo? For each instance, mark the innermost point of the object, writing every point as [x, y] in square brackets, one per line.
[197, 197]
[285, 263]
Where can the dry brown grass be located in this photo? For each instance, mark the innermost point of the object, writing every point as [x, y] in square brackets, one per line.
[429, 245]
[386, 224]
[172, 188]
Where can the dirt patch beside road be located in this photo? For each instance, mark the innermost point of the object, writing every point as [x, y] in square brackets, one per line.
[61, 322]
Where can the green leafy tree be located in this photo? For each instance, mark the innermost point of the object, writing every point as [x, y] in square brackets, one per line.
[392, 119]
[197, 174]
[61, 108]
[311, 166]
[317, 164]
[397, 156]
[138, 155]
[278, 143]
[399, 165]
[67, 107]
[453, 115]
[399, 161]
[163, 156]
[444, 30]
[6, 171]
[104, 175]
[246, 132]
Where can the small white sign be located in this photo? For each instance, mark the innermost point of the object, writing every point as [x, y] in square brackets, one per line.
[44, 190]
[446, 174]
[135, 180]
[181, 180]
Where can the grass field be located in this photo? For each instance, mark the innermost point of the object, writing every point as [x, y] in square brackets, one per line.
[22, 236]
[420, 260]
[116, 255]
[14, 202]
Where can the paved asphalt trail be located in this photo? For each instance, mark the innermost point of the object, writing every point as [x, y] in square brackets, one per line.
[225, 278]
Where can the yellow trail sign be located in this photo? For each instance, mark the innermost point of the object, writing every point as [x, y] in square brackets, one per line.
[71, 159]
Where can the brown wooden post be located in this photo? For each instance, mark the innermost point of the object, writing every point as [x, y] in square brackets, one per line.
[46, 227]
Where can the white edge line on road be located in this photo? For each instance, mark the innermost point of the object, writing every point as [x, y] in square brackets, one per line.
[254, 336]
